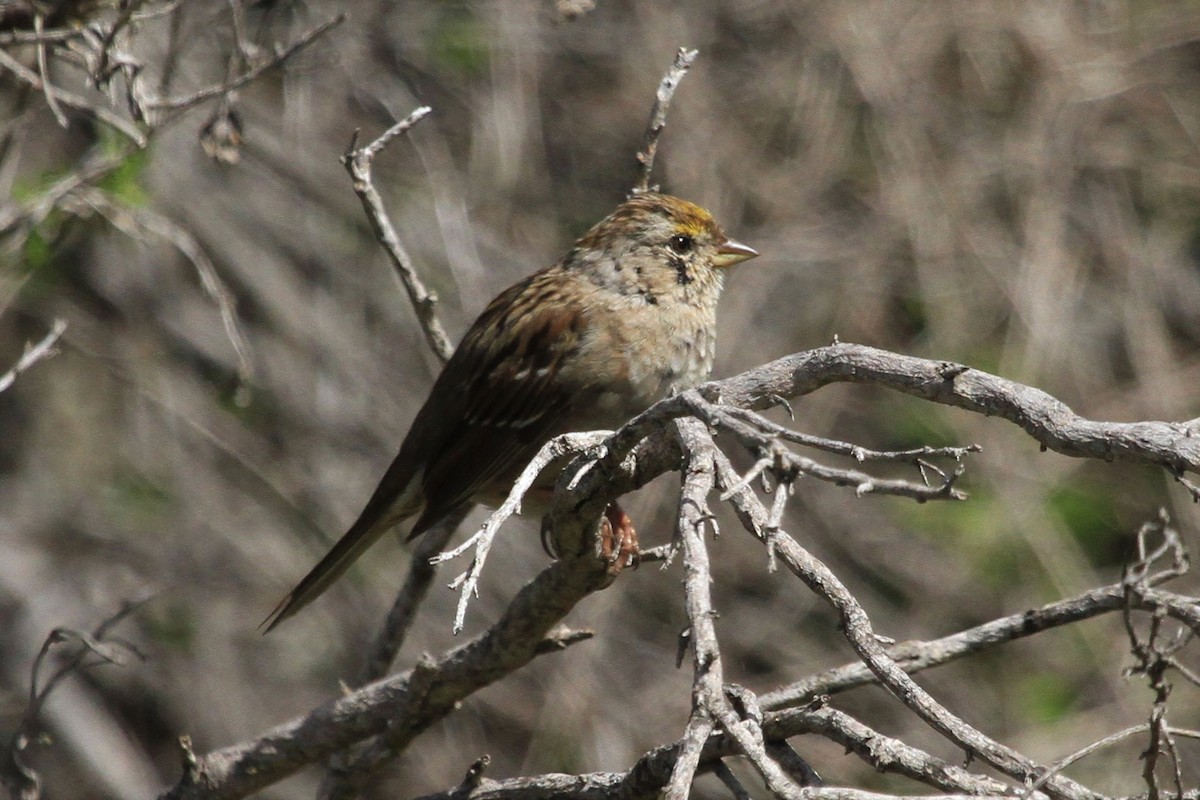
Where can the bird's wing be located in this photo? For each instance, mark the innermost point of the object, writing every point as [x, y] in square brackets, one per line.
[514, 389]
[497, 399]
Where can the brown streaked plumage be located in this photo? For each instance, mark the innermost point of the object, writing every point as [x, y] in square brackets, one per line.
[626, 317]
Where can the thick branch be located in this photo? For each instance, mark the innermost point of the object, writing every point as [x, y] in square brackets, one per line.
[405, 704]
[1048, 420]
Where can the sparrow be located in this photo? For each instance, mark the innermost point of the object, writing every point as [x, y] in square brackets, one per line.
[625, 318]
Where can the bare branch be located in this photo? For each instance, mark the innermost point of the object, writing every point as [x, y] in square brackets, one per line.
[560, 446]
[34, 354]
[726, 776]
[856, 627]
[14, 216]
[24, 783]
[915, 657]
[421, 573]
[103, 72]
[707, 677]
[358, 163]
[108, 117]
[709, 699]
[658, 115]
[52, 36]
[44, 72]
[143, 223]
[857, 452]
[1066, 761]
[647, 777]
[1175, 446]
[281, 56]
[404, 705]
[699, 728]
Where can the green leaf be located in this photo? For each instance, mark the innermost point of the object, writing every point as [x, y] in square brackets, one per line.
[124, 182]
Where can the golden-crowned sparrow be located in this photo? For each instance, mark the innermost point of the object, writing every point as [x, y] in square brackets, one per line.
[626, 317]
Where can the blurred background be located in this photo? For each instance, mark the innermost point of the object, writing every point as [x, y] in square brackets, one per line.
[1015, 186]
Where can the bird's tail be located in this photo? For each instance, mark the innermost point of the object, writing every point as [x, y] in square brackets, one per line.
[387, 506]
[347, 550]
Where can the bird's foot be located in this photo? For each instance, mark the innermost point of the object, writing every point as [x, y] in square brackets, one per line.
[618, 540]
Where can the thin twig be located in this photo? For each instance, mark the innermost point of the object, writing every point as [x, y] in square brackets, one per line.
[762, 437]
[726, 776]
[856, 626]
[44, 72]
[103, 72]
[553, 450]
[187, 101]
[859, 453]
[52, 36]
[34, 354]
[170, 60]
[658, 115]
[1083, 752]
[358, 162]
[421, 573]
[24, 782]
[33, 213]
[108, 117]
[141, 223]
[917, 656]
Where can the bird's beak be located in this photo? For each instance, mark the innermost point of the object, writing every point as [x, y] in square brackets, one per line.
[731, 252]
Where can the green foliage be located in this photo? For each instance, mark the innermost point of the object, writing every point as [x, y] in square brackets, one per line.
[36, 252]
[1088, 511]
[975, 533]
[917, 424]
[913, 316]
[124, 182]
[1047, 697]
[171, 624]
[137, 498]
[41, 276]
[460, 42]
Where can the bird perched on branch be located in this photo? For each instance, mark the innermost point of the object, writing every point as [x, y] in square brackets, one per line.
[625, 318]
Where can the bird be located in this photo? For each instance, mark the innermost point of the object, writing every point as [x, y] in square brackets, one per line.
[625, 318]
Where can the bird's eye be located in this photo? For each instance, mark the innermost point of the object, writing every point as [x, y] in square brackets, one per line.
[681, 244]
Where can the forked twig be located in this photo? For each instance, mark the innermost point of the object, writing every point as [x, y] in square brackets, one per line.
[24, 782]
[467, 582]
[358, 162]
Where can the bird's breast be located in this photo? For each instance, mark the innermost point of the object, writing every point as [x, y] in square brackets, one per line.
[652, 358]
